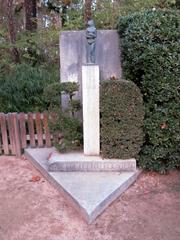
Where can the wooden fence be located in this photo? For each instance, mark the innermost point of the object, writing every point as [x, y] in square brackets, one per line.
[19, 131]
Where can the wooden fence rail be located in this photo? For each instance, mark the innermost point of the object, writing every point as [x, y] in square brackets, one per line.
[19, 131]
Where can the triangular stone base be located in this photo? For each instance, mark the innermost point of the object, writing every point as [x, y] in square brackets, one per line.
[89, 192]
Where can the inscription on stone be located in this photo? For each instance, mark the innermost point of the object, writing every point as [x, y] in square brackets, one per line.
[95, 166]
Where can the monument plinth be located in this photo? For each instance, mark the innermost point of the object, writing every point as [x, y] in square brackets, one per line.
[90, 90]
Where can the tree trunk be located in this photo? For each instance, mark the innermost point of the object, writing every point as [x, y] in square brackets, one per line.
[87, 10]
[30, 14]
[11, 28]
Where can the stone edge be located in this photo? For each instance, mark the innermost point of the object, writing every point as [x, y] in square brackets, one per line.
[112, 197]
[100, 208]
[57, 185]
[93, 166]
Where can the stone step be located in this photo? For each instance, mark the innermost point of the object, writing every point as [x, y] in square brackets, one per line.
[90, 193]
[78, 162]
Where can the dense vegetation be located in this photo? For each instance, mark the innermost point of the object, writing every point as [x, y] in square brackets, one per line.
[22, 89]
[122, 112]
[64, 124]
[150, 44]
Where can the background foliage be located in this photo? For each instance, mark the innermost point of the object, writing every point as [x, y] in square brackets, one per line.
[122, 112]
[21, 84]
[22, 89]
[150, 44]
[64, 125]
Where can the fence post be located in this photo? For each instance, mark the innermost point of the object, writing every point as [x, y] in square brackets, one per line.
[9, 119]
[31, 129]
[16, 135]
[39, 129]
[22, 125]
[46, 129]
[5, 144]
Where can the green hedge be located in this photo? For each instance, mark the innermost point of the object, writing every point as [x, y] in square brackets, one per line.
[122, 112]
[21, 90]
[150, 55]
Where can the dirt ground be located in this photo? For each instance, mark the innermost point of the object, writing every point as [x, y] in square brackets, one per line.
[31, 209]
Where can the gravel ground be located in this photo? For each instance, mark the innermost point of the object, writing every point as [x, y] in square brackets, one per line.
[31, 209]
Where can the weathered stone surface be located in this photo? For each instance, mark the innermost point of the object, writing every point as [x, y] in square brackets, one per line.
[90, 193]
[91, 122]
[73, 56]
[77, 161]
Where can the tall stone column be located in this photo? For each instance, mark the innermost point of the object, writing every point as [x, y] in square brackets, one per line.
[90, 95]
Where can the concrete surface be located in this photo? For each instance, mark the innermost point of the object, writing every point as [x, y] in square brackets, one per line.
[91, 115]
[77, 161]
[90, 193]
[35, 210]
[73, 56]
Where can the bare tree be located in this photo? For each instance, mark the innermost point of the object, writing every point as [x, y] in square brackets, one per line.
[87, 10]
[30, 14]
[11, 29]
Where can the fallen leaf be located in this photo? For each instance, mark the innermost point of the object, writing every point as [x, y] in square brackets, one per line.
[35, 179]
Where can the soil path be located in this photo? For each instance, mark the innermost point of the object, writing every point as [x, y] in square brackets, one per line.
[31, 209]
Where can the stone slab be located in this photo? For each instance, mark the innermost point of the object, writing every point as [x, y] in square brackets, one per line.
[77, 161]
[91, 118]
[73, 56]
[90, 193]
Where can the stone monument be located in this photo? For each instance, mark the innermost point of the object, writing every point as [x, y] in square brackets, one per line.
[90, 95]
[82, 54]
[73, 54]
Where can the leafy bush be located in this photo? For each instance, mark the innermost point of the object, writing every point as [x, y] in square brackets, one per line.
[150, 46]
[22, 89]
[106, 12]
[131, 6]
[65, 127]
[122, 113]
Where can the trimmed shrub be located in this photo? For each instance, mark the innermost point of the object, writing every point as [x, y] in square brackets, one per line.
[150, 46]
[64, 125]
[122, 112]
[21, 90]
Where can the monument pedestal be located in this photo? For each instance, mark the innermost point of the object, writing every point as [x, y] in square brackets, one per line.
[90, 96]
[90, 193]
